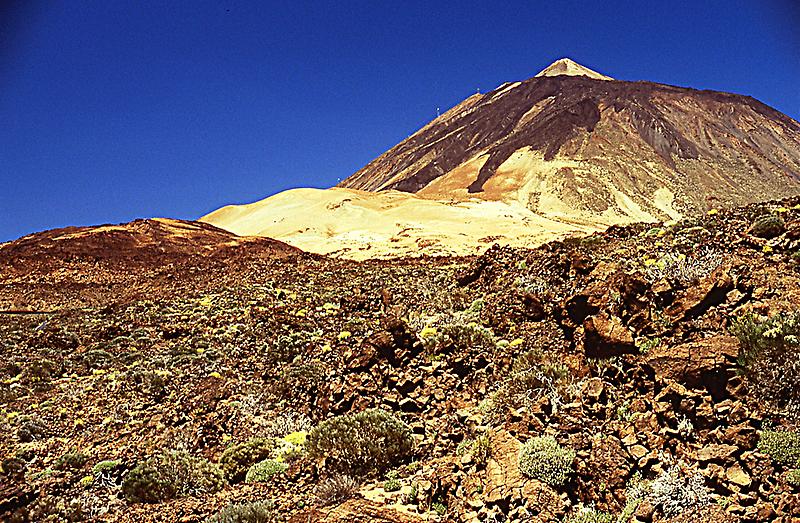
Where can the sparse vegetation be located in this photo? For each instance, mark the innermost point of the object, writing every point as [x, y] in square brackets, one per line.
[237, 459]
[252, 512]
[544, 459]
[169, 475]
[335, 489]
[770, 357]
[783, 446]
[372, 440]
[211, 361]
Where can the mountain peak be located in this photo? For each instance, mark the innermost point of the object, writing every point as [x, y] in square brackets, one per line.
[567, 67]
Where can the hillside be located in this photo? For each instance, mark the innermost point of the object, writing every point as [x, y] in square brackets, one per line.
[162, 388]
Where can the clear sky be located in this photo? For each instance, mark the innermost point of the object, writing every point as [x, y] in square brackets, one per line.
[114, 110]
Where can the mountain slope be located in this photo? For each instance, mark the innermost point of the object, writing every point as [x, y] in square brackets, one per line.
[568, 151]
[577, 146]
[360, 225]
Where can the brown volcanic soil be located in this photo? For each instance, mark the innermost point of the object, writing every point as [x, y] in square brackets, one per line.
[86, 265]
[190, 345]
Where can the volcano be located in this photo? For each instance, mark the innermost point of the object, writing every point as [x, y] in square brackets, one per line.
[567, 151]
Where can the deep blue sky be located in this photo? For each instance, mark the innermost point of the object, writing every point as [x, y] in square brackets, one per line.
[115, 110]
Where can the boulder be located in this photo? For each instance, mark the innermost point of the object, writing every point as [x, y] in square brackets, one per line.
[503, 477]
[605, 336]
[697, 299]
[716, 452]
[707, 363]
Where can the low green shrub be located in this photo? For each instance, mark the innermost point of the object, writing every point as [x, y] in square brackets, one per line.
[373, 440]
[544, 459]
[455, 328]
[392, 483]
[590, 515]
[767, 226]
[265, 470]
[251, 512]
[71, 460]
[106, 466]
[238, 458]
[534, 376]
[107, 473]
[479, 447]
[675, 491]
[782, 446]
[793, 477]
[770, 357]
[32, 428]
[677, 268]
[335, 489]
[170, 475]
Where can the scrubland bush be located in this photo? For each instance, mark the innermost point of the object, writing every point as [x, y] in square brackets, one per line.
[679, 268]
[252, 512]
[169, 475]
[532, 378]
[291, 447]
[372, 440]
[71, 460]
[461, 329]
[335, 489]
[544, 459]
[674, 491]
[767, 226]
[106, 473]
[289, 422]
[392, 483]
[770, 357]
[265, 470]
[782, 446]
[237, 459]
[480, 448]
[793, 477]
[32, 428]
[590, 515]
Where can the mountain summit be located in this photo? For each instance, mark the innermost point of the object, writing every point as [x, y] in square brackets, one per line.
[567, 67]
[567, 151]
[576, 147]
